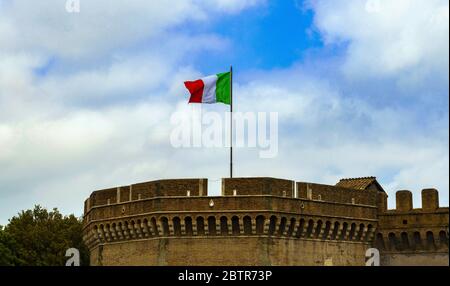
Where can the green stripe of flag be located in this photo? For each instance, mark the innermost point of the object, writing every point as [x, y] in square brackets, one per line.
[223, 85]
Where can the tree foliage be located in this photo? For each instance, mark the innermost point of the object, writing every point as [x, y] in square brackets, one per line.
[40, 238]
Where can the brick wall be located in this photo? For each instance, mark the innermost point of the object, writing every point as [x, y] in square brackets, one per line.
[258, 186]
[329, 193]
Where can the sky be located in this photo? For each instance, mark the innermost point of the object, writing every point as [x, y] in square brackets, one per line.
[361, 88]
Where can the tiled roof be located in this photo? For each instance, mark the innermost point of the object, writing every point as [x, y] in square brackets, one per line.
[356, 183]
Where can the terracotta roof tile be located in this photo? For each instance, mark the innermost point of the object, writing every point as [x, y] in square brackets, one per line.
[356, 183]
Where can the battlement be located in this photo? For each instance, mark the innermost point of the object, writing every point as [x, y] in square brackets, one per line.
[336, 194]
[258, 186]
[146, 190]
[231, 187]
[359, 191]
[269, 205]
[404, 202]
[406, 230]
[264, 213]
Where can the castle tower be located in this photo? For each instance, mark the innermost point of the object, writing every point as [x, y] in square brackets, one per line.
[256, 221]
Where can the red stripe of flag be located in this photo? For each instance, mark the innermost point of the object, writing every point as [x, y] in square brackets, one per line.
[196, 89]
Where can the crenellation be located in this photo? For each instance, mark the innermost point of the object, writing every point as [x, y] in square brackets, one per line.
[257, 186]
[430, 199]
[311, 191]
[146, 190]
[406, 231]
[87, 205]
[101, 197]
[262, 213]
[404, 200]
[382, 202]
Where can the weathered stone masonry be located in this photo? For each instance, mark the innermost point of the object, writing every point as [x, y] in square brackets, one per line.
[261, 221]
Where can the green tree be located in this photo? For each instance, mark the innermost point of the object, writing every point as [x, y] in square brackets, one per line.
[7, 247]
[40, 238]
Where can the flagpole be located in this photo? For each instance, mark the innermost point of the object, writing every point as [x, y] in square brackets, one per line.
[231, 121]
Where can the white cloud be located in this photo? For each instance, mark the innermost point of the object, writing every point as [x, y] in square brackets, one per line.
[100, 118]
[102, 109]
[386, 37]
[326, 135]
[102, 26]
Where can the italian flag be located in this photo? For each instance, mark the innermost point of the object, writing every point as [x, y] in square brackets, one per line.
[210, 89]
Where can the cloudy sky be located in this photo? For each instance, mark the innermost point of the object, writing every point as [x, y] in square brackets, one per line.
[361, 88]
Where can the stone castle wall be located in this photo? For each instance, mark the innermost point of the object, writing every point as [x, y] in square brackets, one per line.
[256, 221]
[231, 251]
[409, 236]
